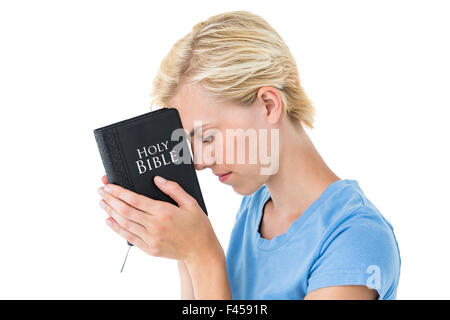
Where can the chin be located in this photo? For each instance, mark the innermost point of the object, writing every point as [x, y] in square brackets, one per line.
[246, 189]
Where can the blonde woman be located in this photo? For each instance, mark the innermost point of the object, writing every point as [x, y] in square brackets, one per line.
[301, 232]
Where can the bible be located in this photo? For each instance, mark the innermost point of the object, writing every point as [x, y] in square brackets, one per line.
[135, 150]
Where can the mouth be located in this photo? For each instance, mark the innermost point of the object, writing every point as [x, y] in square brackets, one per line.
[223, 176]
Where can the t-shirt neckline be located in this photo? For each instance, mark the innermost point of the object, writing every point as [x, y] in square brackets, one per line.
[278, 241]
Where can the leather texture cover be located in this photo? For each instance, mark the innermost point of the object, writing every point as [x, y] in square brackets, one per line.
[135, 150]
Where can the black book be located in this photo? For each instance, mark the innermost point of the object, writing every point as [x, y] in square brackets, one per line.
[135, 150]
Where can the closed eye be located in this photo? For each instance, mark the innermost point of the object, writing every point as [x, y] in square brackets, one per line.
[208, 139]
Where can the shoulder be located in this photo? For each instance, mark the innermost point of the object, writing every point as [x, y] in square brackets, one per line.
[355, 217]
[358, 242]
[347, 207]
[363, 233]
[358, 228]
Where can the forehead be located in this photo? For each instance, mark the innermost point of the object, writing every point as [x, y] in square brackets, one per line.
[194, 103]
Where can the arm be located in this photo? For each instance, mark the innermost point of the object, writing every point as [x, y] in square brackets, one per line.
[182, 232]
[347, 292]
[187, 290]
[209, 275]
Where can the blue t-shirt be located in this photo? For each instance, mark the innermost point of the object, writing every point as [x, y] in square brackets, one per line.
[340, 239]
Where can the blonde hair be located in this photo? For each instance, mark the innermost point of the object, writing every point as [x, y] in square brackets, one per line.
[232, 55]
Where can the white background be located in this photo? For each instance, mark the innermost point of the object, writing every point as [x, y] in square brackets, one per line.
[377, 72]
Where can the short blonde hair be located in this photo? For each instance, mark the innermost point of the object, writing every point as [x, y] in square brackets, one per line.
[232, 55]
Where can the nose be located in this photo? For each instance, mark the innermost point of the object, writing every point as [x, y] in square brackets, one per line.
[199, 166]
[199, 162]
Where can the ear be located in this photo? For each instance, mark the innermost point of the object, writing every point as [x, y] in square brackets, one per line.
[270, 98]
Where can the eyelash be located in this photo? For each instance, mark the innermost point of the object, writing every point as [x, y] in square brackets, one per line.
[208, 137]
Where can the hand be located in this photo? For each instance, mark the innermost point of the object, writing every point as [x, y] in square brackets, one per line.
[159, 228]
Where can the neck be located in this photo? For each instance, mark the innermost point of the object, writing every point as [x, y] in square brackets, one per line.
[302, 175]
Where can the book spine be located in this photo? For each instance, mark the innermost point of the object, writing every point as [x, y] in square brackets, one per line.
[112, 159]
[113, 162]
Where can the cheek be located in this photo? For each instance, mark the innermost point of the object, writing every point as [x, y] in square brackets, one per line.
[243, 153]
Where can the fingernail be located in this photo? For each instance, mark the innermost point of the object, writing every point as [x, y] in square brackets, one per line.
[102, 204]
[160, 180]
[107, 189]
[109, 223]
[100, 191]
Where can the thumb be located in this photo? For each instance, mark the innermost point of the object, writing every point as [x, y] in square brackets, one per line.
[175, 191]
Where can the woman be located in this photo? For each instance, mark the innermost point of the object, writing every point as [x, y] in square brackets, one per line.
[301, 232]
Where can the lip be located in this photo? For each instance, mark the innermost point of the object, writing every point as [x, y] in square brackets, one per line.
[223, 176]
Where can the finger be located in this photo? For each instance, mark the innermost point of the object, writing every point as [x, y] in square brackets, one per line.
[131, 237]
[134, 199]
[125, 223]
[105, 179]
[123, 208]
[175, 191]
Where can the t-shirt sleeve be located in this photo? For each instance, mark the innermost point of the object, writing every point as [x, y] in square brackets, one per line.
[362, 252]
